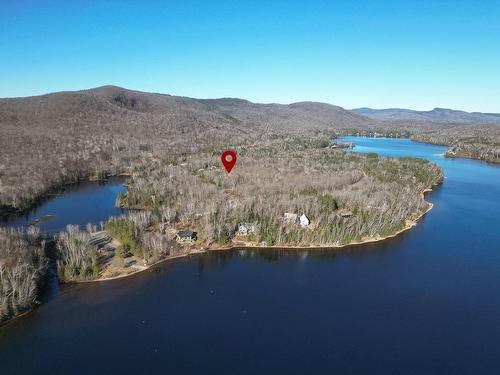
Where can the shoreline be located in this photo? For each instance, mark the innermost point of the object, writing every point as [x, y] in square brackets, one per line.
[16, 317]
[146, 268]
[410, 224]
[449, 155]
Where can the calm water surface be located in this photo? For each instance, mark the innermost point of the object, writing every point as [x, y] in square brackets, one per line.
[427, 302]
[86, 202]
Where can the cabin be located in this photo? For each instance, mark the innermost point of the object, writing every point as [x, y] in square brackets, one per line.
[128, 262]
[346, 214]
[290, 218]
[304, 221]
[186, 237]
[246, 228]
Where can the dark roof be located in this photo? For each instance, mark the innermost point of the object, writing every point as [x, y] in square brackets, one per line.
[186, 234]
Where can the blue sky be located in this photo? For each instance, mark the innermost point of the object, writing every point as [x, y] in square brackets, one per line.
[411, 54]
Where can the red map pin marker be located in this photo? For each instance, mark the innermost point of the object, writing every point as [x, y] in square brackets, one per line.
[228, 159]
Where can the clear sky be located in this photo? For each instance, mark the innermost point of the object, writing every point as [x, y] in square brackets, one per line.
[411, 54]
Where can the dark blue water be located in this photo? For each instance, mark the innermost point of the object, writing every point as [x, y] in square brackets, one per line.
[427, 302]
[86, 202]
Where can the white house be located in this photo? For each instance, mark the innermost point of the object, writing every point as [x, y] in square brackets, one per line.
[304, 221]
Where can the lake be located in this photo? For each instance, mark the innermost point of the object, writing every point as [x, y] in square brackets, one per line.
[426, 302]
[82, 203]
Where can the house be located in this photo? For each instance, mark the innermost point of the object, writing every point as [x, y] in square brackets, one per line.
[186, 236]
[127, 262]
[346, 214]
[290, 218]
[304, 221]
[246, 228]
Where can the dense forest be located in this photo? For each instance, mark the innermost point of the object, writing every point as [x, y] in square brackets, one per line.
[285, 175]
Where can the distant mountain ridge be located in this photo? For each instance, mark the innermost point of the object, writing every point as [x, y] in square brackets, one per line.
[441, 115]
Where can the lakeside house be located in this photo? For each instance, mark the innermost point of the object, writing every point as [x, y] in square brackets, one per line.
[304, 221]
[291, 218]
[246, 228]
[186, 237]
[128, 262]
[346, 214]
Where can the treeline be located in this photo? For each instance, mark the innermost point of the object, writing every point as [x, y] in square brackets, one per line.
[476, 149]
[23, 267]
